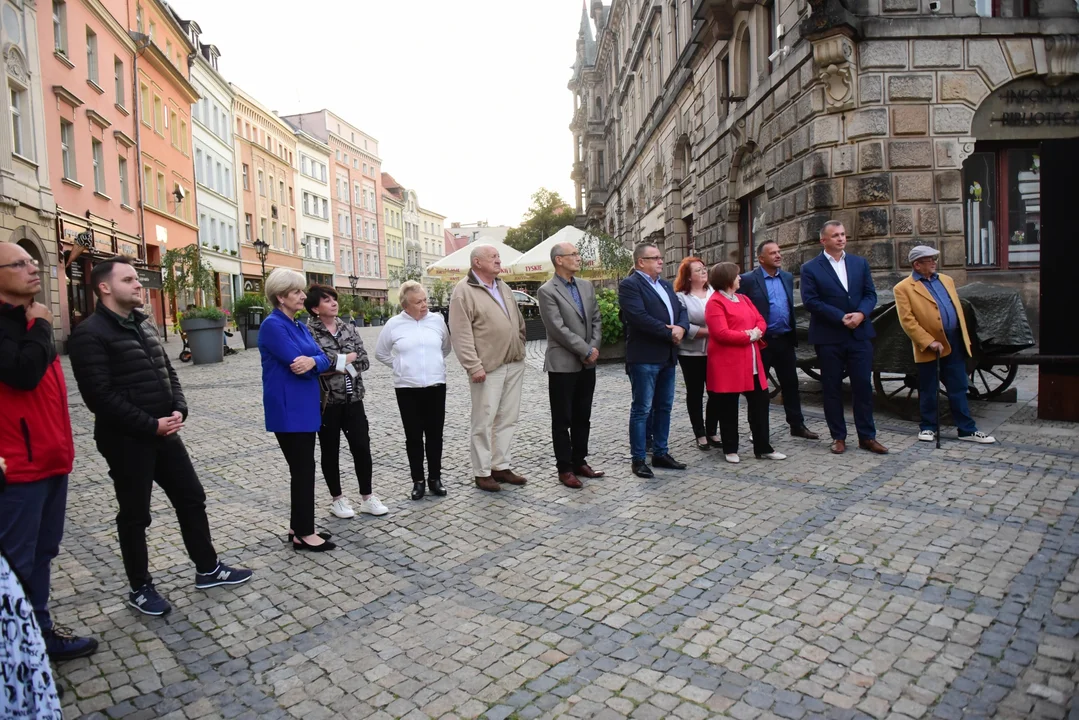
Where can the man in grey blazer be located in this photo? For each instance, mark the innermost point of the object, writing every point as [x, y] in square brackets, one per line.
[571, 315]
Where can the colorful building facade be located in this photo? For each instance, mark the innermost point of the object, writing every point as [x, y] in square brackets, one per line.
[393, 205]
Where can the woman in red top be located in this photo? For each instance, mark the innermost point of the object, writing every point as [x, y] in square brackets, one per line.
[735, 329]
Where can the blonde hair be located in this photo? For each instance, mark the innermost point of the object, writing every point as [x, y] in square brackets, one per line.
[282, 281]
[407, 287]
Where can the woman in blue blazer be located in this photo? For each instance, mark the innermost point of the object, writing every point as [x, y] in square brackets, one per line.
[291, 364]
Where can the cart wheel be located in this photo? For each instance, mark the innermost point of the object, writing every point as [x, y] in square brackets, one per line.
[898, 393]
[185, 356]
[810, 371]
[988, 380]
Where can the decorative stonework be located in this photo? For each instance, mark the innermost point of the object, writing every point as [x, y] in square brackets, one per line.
[8, 205]
[16, 64]
[834, 57]
[966, 149]
[1062, 56]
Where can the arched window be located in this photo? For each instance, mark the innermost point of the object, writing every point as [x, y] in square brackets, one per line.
[742, 74]
[599, 108]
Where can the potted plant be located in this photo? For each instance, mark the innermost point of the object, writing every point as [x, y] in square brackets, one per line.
[249, 311]
[613, 340]
[233, 253]
[217, 248]
[186, 274]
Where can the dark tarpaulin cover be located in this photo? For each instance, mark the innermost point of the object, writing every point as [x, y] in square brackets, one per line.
[995, 319]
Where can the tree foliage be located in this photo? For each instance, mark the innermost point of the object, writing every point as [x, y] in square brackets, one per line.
[614, 259]
[185, 272]
[403, 274]
[548, 214]
[440, 292]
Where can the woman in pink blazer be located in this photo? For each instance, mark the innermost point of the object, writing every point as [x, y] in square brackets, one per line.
[735, 332]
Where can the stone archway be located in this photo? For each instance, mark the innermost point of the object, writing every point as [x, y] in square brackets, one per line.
[25, 237]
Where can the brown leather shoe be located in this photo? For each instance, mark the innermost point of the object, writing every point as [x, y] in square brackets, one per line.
[508, 476]
[588, 472]
[839, 447]
[487, 483]
[804, 432]
[570, 480]
[873, 446]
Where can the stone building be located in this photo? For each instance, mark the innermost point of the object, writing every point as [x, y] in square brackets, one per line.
[709, 126]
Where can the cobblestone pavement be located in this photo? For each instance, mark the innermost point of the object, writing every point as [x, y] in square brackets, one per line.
[923, 583]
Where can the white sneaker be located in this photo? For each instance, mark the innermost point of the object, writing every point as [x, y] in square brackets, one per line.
[373, 506]
[773, 456]
[733, 458]
[979, 437]
[341, 508]
[927, 436]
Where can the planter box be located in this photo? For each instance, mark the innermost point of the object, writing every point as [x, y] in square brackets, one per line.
[205, 339]
[534, 329]
[615, 352]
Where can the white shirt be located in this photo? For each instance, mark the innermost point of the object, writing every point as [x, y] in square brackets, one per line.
[415, 349]
[840, 267]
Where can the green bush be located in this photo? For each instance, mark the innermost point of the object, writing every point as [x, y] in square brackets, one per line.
[248, 300]
[609, 316]
[202, 313]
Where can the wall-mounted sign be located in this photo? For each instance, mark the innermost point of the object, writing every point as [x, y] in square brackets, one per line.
[149, 279]
[85, 239]
[1029, 109]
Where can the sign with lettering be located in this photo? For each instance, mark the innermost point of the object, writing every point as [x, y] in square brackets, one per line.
[149, 279]
[1029, 109]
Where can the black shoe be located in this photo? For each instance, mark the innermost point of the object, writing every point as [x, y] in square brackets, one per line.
[418, 490]
[641, 469]
[718, 444]
[323, 535]
[436, 487]
[667, 462]
[804, 432]
[298, 544]
[61, 644]
[704, 446]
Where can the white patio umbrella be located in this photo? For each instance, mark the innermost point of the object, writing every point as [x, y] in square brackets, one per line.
[537, 263]
[457, 264]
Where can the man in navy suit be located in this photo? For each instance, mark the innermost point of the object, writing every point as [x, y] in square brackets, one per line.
[772, 291]
[838, 292]
[655, 323]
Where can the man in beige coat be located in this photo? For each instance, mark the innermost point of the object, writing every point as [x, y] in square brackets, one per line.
[487, 331]
[931, 316]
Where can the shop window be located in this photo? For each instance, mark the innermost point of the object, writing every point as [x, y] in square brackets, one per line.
[1002, 207]
[1002, 8]
[750, 229]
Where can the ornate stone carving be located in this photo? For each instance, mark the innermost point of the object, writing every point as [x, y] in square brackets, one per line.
[16, 64]
[966, 149]
[8, 205]
[1062, 56]
[834, 57]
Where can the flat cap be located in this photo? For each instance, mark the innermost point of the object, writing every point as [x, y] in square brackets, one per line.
[921, 251]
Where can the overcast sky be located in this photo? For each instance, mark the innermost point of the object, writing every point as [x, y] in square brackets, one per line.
[467, 99]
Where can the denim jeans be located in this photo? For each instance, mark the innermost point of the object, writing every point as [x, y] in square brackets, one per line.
[31, 527]
[953, 373]
[653, 396]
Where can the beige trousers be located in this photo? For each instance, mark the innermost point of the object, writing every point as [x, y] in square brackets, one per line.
[495, 405]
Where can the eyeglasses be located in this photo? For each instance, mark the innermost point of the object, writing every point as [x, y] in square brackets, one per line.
[22, 264]
[573, 254]
[652, 257]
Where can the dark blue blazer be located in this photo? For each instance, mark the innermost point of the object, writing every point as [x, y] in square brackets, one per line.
[754, 288]
[827, 302]
[645, 317]
[292, 403]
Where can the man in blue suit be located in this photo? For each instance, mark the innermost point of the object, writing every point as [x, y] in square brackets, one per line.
[772, 291]
[838, 292]
[655, 323]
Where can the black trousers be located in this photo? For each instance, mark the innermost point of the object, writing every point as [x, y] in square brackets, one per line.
[757, 406]
[423, 414]
[350, 419]
[571, 416]
[779, 355]
[135, 464]
[299, 451]
[695, 372]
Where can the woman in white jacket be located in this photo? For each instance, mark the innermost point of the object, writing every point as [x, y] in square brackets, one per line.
[415, 344]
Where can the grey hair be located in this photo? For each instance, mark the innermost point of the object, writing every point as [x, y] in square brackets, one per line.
[282, 281]
[407, 288]
[764, 244]
[830, 223]
[638, 251]
[555, 250]
[477, 251]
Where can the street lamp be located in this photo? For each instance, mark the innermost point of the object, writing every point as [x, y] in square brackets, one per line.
[261, 248]
[352, 280]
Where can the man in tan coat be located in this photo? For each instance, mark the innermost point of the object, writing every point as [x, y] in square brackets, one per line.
[487, 331]
[932, 317]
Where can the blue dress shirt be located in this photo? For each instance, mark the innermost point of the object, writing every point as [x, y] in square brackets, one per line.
[936, 288]
[658, 288]
[571, 285]
[779, 314]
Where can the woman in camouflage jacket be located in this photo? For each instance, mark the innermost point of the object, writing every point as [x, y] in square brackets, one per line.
[342, 401]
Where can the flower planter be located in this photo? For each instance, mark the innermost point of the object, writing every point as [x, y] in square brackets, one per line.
[205, 339]
[615, 352]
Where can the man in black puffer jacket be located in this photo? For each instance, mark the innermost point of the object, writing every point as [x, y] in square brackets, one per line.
[128, 383]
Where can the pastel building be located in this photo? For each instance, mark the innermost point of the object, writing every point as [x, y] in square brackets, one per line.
[216, 201]
[265, 154]
[393, 205]
[162, 97]
[432, 240]
[314, 226]
[355, 177]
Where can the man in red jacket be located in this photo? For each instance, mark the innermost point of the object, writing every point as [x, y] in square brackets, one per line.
[35, 439]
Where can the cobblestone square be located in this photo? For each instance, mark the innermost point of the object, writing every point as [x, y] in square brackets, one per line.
[925, 583]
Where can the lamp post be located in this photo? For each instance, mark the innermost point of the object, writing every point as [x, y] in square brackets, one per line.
[352, 280]
[262, 249]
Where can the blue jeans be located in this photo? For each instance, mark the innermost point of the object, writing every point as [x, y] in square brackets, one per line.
[650, 411]
[953, 373]
[31, 527]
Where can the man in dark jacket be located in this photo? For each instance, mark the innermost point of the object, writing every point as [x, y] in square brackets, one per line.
[655, 323]
[35, 440]
[128, 383]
